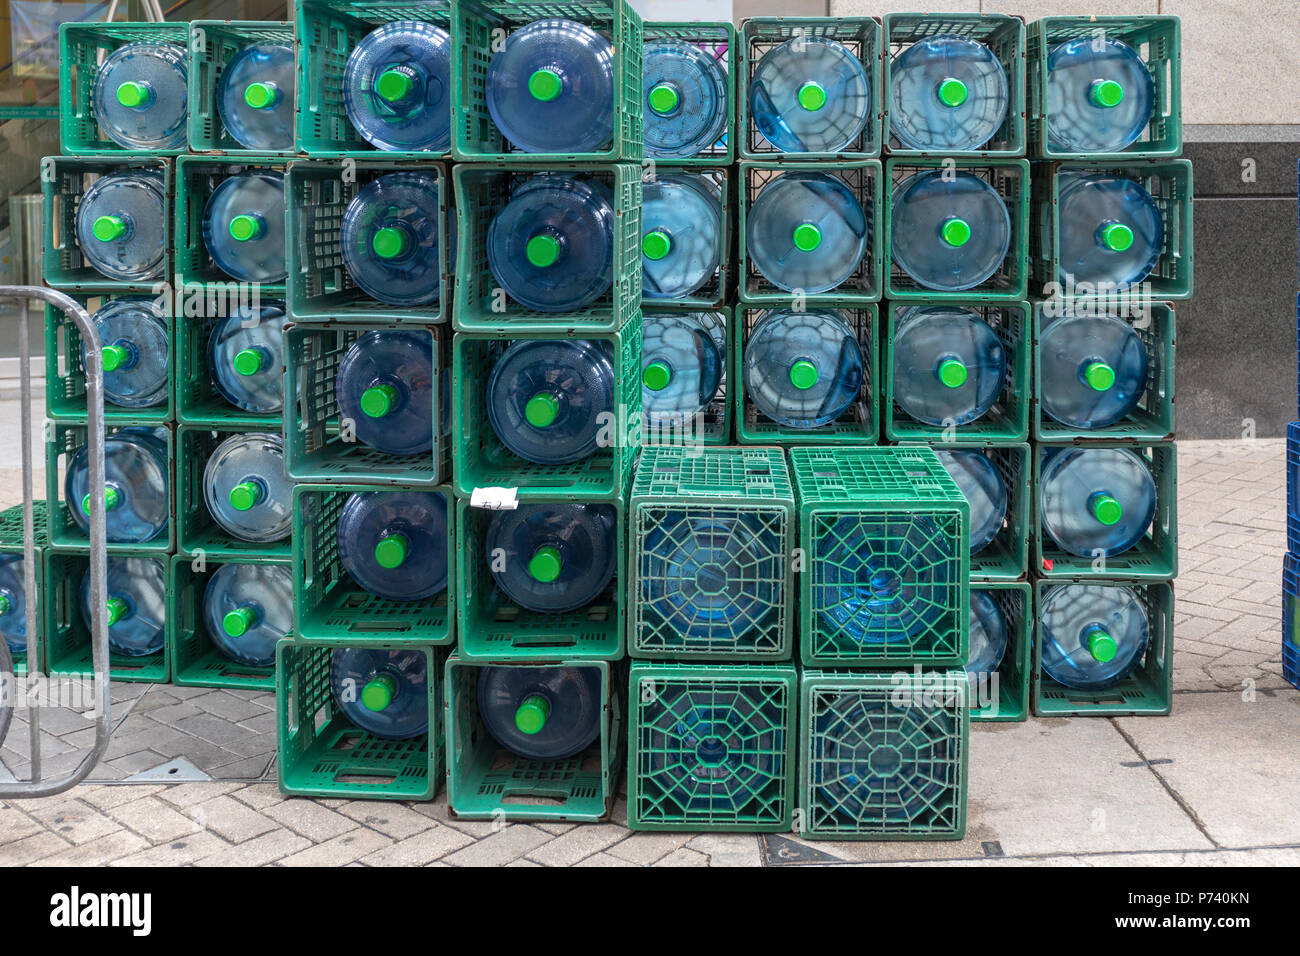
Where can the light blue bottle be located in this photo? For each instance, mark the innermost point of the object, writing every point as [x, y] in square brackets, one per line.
[1093, 370]
[134, 344]
[1099, 95]
[948, 234]
[552, 247]
[946, 93]
[549, 400]
[553, 558]
[685, 99]
[245, 488]
[551, 88]
[807, 232]
[803, 369]
[541, 713]
[682, 360]
[255, 96]
[390, 239]
[681, 235]
[1096, 501]
[385, 387]
[1110, 230]
[949, 365]
[137, 605]
[136, 482]
[1092, 635]
[810, 95]
[246, 358]
[394, 543]
[13, 603]
[139, 96]
[120, 225]
[247, 608]
[384, 692]
[988, 634]
[397, 87]
[979, 481]
[243, 227]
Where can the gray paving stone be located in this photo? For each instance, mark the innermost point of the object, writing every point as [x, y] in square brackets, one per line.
[644, 848]
[311, 819]
[502, 847]
[183, 852]
[393, 819]
[420, 849]
[341, 850]
[230, 819]
[728, 849]
[107, 849]
[577, 844]
[267, 848]
[154, 820]
[32, 848]
[683, 857]
[75, 821]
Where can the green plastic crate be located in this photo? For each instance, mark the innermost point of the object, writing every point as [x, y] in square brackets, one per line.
[1153, 417]
[480, 30]
[1147, 689]
[1010, 177]
[487, 782]
[1153, 558]
[883, 756]
[884, 531]
[1003, 34]
[482, 191]
[213, 44]
[864, 180]
[494, 628]
[697, 506]
[64, 180]
[11, 542]
[1158, 40]
[711, 747]
[483, 461]
[758, 35]
[82, 47]
[717, 290]
[1008, 418]
[718, 39]
[712, 425]
[323, 754]
[317, 446]
[319, 285]
[1003, 696]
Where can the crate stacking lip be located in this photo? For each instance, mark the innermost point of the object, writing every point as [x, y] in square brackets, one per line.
[213, 44]
[1003, 696]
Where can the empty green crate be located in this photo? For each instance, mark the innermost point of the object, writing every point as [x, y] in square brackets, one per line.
[323, 754]
[213, 44]
[718, 39]
[480, 29]
[711, 747]
[759, 35]
[482, 191]
[712, 530]
[883, 756]
[1007, 420]
[884, 539]
[330, 608]
[11, 543]
[487, 782]
[712, 425]
[1003, 695]
[1147, 689]
[717, 289]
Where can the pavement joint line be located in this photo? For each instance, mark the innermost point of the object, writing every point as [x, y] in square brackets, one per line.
[1055, 855]
[1169, 788]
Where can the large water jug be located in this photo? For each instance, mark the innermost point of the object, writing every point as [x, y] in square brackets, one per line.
[246, 490]
[1096, 501]
[13, 603]
[246, 358]
[243, 227]
[134, 345]
[390, 239]
[549, 400]
[384, 692]
[541, 713]
[553, 558]
[949, 231]
[139, 96]
[137, 605]
[807, 232]
[1092, 369]
[247, 608]
[397, 87]
[988, 634]
[551, 88]
[682, 362]
[949, 365]
[385, 386]
[552, 246]
[810, 95]
[136, 482]
[120, 225]
[1110, 230]
[946, 93]
[803, 369]
[685, 99]
[394, 543]
[255, 96]
[681, 235]
[1099, 95]
[979, 481]
[1092, 636]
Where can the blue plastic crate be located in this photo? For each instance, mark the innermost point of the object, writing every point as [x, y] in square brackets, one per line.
[1293, 487]
[1290, 620]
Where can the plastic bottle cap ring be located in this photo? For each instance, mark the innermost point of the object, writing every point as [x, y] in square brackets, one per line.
[390, 242]
[663, 99]
[248, 361]
[244, 495]
[378, 694]
[807, 237]
[378, 400]
[260, 96]
[117, 609]
[953, 92]
[1116, 237]
[955, 232]
[393, 86]
[1106, 94]
[391, 551]
[545, 564]
[1102, 647]
[1106, 509]
[545, 85]
[532, 714]
[812, 96]
[244, 227]
[656, 376]
[952, 373]
[108, 228]
[803, 374]
[1099, 376]
[656, 244]
[542, 410]
[132, 94]
[111, 500]
[114, 357]
[237, 622]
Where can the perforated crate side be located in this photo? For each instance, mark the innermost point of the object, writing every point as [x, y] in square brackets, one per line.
[212, 45]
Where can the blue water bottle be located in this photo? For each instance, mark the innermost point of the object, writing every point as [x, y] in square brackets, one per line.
[397, 87]
[803, 369]
[385, 385]
[979, 481]
[682, 361]
[949, 365]
[243, 227]
[384, 692]
[1110, 230]
[1100, 95]
[811, 94]
[807, 232]
[139, 96]
[681, 235]
[1092, 635]
[120, 225]
[949, 231]
[136, 486]
[946, 93]
[684, 90]
[390, 239]
[553, 558]
[245, 488]
[246, 358]
[394, 543]
[541, 713]
[1096, 501]
[137, 605]
[247, 608]
[13, 603]
[134, 345]
[988, 634]
[1092, 369]
[255, 96]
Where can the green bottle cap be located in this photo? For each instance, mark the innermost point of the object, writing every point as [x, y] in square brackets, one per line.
[1102, 646]
[952, 92]
[812, 96]
[391, 550]
[1106, 93]
[108, 228]
[393, 85]
[663, 99]
[378, 400]
[656, 376]
[117, 609]
[803, 374]
[532, 714]
[1116, 236]
[544, 565]
[1106, 509]
[5, 604]
[807, 237]
[261, 96]
[656, 244]
[955, 232]
[545, 85]
[542, 409]
[111, 500]
[390, 242]
[249, 361]
[237, 622]
[952, 373]
[114, 356]
[378, 694]
[132, 95]
[244, 495]
[243, 228]
[1099, 376]
[542, 251]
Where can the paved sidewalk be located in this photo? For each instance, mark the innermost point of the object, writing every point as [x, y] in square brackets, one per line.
[1216, 783]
